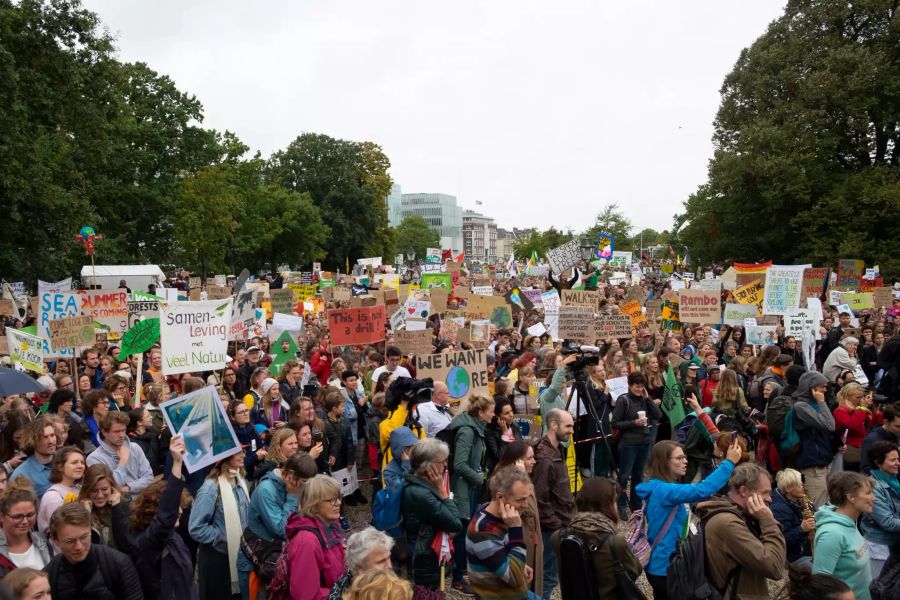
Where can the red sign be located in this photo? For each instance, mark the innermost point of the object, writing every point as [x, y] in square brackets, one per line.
[353, 326]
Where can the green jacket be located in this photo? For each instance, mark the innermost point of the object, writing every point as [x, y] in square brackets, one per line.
[424, 515]
[551, 397]
[467, 470]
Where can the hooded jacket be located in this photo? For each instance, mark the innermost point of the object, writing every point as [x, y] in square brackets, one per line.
[467, 471]
[882, 525]
[814, 424]
[39, 542]
[395, 471]
[789, 515]
[837, 362]
[662, 497]
[735, 539]
[841, 551]
[313, 569]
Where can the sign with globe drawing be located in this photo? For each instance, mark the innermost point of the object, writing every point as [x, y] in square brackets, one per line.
[464, 372]
[199, 417]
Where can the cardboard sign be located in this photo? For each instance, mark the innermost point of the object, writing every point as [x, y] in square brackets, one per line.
[464, 372]
[282, 300]
[849, 273]
[71, 332]
[752, 293]
[577, 323]
[108, 308]
[613, 326]
[483, 290]
[736, 313]
[439, 298]
[783, 290]
[450, 330]
[200, 418]
[814, 282]
[580, 298]
[352, 326]
[480, 331]
[882, 297]
[217, 293]
[654, 308]
[341, 294]
[563, 257]
[7, 307]
[414, 342]
[634, 312]
[860, 301]
[194, 335]
[53, 306]
[761, 335]
[699, 306]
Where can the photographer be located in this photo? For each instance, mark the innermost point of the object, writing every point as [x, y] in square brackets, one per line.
[400, 399]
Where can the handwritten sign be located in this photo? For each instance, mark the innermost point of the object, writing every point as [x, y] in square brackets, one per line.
[282, 300]
[217, 293]
[25, 350]
[613, 326]
[860, 301]
[580, 298]
[464, 372]
[699, 306]
[480, 331]
[883, 297]
[814, 279]
[108, 308]
[577, 323]
[671, 313]
[752, 293]
[194, 335]
[414, 342]
[53, 306]
[783, 290]
[483, 290]
[71, 332]
[849, 273]
[563, 257]
[353, 326]
[303, 291]
[761, 335]
[606, 243]
[796, 324]
[736, 313]
[634, 312]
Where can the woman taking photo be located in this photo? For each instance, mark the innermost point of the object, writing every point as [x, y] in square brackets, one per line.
[218, 518]
[665, 502]
[852, 420]
[66, 471]
[839, 549]
[101, 496]
[596, 521]
[521, 454]
[12, 439]
[881, 527]
[20, 545]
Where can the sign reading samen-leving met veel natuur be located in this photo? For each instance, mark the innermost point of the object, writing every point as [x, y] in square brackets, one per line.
[194, 335]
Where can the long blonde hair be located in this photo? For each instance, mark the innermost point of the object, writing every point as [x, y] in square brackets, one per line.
[728, 393]
[848, 390]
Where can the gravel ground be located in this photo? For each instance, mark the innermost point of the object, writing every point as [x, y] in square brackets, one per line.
[359, 517]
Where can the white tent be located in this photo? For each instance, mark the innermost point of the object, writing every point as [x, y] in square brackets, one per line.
[137, 277]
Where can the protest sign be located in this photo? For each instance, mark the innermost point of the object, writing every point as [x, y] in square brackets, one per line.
[617, 386]
[450, 329]
[282, 300]
[219, 280]
[140, 308]
[414, 342]
[534, 296]
[670, 316]
[444, 280]
[7, 307]
[814, 280]
[139, 338]
[783, 289]
[439, 297]
[25, 350]
[200, 418]
[4, 346]
[529, 427]
[64, 285]
[302, 291]
[341, 294]
[396, 319]
[746, 273]
[797, 323]
[217, 293]
[634, 312]
[464, 372]
[849, 273]
[736, 313]
[550, 300]
[108, 308]
[860, 301]
[53, 306]
[480, 331]
[432, 255]
[243, 315]
[761, 335]
[881, 296]
[288, 322]
[620, 259]
[501, 316]
[606, 243]
[420, 309]
[537, 329]
[517, 299]
[751, 293]
[613, 326]
[699, 306]
[416, 324]
[374, 261]
[347, 479]
[483, 290]
[563, 257]
[352, 326]
[654, 308]
[710, 285]
[194, 335]
[577, 323]
[580, 298]
[71, 332]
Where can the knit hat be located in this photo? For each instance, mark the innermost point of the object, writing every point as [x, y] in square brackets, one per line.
[267, 384]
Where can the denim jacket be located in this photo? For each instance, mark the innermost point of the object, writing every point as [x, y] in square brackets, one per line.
[882, 525]
[207, 523]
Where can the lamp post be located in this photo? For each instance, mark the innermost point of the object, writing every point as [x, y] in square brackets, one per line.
[587, 249]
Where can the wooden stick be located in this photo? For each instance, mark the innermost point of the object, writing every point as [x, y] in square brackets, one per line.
[139, 384]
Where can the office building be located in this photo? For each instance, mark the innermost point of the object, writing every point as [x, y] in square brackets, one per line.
[441, 211]
[479, 237]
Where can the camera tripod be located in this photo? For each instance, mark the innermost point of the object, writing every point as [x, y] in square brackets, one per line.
[584, 407]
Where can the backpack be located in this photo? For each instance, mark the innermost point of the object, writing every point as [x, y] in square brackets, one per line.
[263, 554]
[636, 533]
[578, 568]
[687, 576]
[280, 586]
[776, 412]
[789, 443]
[448, 436]
[386, 515]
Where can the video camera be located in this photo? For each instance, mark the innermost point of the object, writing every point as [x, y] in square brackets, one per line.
[404, 388]
[588, 356]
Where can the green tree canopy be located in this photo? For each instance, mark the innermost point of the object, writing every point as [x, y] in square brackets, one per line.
[415, 233]
[807, 143]
[612, 220]
[540, 242]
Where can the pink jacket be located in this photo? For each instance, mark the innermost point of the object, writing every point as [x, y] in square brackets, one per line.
[313, 569]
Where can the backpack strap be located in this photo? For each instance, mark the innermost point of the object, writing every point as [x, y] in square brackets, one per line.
[733, 578]
[665, 528]
[315, 531]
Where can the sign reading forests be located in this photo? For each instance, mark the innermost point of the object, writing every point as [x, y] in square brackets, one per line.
[194, 335]
[699, 306]
[352, 326]
[563, 257]
[464, 372]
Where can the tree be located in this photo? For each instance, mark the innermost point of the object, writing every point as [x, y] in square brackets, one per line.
[539, 242]
[806, 166]
[414, 233]
[612, 220]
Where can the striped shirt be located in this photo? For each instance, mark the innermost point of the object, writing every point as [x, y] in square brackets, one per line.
[496, 556]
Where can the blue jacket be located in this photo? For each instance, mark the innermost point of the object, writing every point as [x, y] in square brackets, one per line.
[662, 497]
[207, 522]
[882, 525]
[38, 474]
[270, 507]
[351, 413]
[790, 515]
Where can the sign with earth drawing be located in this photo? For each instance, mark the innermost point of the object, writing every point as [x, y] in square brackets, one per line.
[199, 417]
[464, 372]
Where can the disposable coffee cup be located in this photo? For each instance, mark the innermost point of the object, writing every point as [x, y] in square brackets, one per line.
[642, 414]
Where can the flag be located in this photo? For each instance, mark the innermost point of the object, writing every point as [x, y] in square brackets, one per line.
[533, 260]
[461, 257]
[678, 260]
[671, 402]
[511, 266]
[347, 264]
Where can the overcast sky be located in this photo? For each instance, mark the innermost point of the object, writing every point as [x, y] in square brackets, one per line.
[543, 111]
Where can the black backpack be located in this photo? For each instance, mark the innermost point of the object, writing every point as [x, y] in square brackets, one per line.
[577, 564]
[687, 577]
[448, 436]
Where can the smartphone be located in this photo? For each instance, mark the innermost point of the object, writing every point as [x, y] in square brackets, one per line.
[734, 435]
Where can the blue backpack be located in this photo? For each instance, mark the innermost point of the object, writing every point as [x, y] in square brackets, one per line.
[789, 444]
[386, 514]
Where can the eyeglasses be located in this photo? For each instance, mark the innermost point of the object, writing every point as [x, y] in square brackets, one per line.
[333, 501]
[242, 412]
[81, 539]
[682, 458]
[22, 517]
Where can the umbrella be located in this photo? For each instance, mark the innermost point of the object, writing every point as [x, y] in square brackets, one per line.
[13, 382]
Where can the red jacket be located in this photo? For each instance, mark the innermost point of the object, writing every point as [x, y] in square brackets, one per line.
[855, 422]
[313, 570]
[320, 363]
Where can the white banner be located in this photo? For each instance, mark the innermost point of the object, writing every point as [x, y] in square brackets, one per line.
[194, 335]
[25, 350]
[243, 315]
[63, 285]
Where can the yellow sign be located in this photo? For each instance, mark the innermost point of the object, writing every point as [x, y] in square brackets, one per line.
[303, 291]
[752, 293]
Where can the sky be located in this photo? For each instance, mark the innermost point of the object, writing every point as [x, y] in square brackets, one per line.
[542, 111]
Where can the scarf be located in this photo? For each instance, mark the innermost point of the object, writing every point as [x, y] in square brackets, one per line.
[891, 480]
[593, 523]
[233, 526]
